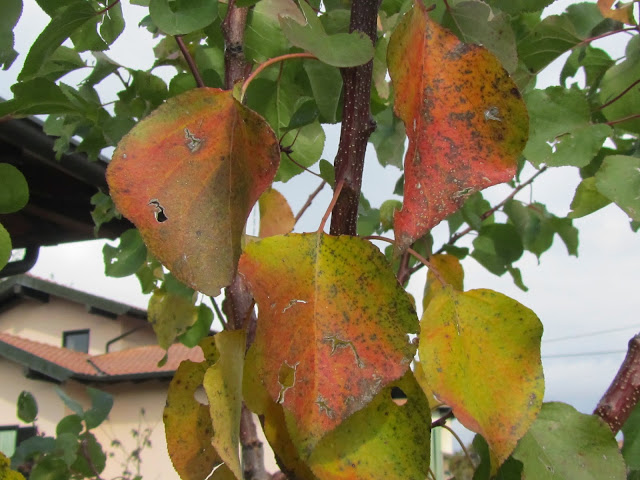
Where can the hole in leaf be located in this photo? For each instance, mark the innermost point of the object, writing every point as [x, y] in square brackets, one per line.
[200, 396]
[286, 379]
[398, 396]
[158, 211]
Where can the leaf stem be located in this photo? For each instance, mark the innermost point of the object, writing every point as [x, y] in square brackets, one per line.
[604, 35]
[620, 95]
[270, 62]
[461, 443]
[223, 321]
[336, 194]
[190, 61]
[624, 119]
[310, 200]
[107, 8]
[442, 420]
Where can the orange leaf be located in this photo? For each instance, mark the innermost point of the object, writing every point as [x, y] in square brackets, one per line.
[464, 117]
[623, 13]
[188, 176]
[332, 327]
[276, 217]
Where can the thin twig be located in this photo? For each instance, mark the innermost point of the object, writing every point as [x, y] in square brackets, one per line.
[336, 194]
[604, 35]
[107, 8]
[223, 321]
[442, 420]
[190, 61]
[624, 119]
[620, 95]
[269, 62]
[491, 211]
[310, 200]
[298, 164]
[464, 449]
[431, 474]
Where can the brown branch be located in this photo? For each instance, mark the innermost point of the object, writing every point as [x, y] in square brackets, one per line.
[404, 272]
[619, 96]
[87, 456]
[190, 61]
[252, 449]
[623, 394]
[442, 420]
[235, 66]
[357, 124]
[310, 200]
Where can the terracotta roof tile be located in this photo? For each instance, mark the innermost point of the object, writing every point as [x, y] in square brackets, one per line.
[138, 361]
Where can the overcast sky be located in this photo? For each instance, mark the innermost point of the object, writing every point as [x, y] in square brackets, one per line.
[597, 291]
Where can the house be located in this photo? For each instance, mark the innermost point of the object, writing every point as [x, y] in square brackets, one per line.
[55, 335]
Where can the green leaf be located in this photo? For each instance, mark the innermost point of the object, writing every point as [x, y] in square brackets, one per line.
[387, 210]
[71, 424]
[11, 11]
[27, 407]
[587, 199]
[473, 209]
[104, 210]
[67, 445]
[170, 315]
[565, 444]
[558, 115]
[515, 7]
[305, 114]
[307, 150]
[39, 96]
[112, 24]
[101, 404]
[200, 329]
[479, 25]
[263, 37]
[619, 180]
[50, 468]
[71, 404]
[5, 246]
[578, 147]
[127, 258]
[547, 41]
[511, 469]
[594, 61]
[631, 445]
[388, 138]
[368, 218]
[327, 172]
[497, 247]
[339, 50]
[14, 191]
[65, 22]
[182, 16]
[617, 79]
[96, 456]
[326, 85]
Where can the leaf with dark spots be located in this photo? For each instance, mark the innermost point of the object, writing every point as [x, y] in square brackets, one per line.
[464, 116]
[341, 320]
[480, 353]
[188, 176]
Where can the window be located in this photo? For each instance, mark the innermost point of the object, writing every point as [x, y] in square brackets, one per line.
[77, 340]
[12, 436]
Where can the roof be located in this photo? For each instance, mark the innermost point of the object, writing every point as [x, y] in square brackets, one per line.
[21, 286]
[59, 363]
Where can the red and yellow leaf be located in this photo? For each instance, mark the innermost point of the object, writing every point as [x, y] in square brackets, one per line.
[480, 353]
[332, 327]
[464, 116]
[276, 217]
[622, 13]
[223, 384]
[188, 176]
[187, 422]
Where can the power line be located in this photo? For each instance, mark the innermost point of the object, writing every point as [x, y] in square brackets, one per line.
[584, 354]
[591, 334]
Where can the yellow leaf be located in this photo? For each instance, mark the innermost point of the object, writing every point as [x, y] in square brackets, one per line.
[450, 271]
[480, 351]
[276, 217]
[623, 13]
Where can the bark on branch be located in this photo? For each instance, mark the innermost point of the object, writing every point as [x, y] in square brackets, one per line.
[624, 392]
[357, 124]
